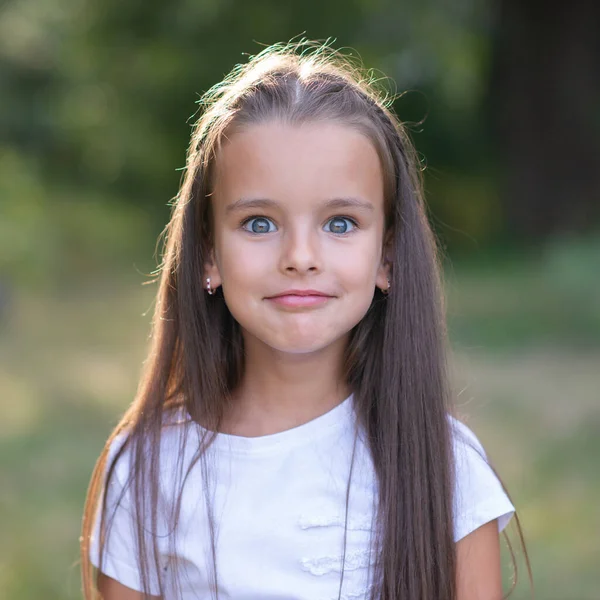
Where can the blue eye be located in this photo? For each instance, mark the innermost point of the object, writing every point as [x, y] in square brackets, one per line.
[259, 225]
[340, 225]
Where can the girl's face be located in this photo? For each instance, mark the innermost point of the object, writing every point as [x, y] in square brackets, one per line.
[299, 224]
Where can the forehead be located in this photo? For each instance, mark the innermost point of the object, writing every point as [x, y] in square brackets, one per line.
[298, 164]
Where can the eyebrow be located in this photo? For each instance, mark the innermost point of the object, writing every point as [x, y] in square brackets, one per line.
[247, 203]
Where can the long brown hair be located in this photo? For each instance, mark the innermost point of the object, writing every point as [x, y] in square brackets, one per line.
[395, 360]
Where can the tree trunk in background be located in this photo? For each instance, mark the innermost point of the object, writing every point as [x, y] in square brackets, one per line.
[545, 105]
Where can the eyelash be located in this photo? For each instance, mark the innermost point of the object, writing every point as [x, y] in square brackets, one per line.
[336, 217]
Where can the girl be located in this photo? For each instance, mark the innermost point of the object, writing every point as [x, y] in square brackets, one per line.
[291, 436]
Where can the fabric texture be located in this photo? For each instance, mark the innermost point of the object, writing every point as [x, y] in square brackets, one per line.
[278, 502]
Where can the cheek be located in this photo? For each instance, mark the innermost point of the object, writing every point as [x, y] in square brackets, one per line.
[358, 268]
[242, 265]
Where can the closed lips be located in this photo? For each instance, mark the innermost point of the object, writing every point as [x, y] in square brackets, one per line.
[300, 293]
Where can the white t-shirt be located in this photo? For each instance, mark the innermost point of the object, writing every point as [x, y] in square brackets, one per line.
[278, 502]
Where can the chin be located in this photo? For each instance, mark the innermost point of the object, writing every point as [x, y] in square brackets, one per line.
[299, 348]
[303, 343]
[301, 335]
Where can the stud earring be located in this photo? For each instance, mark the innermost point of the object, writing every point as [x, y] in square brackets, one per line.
[387, 289]
[208, 288]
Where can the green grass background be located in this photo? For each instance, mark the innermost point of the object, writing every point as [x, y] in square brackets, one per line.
[526, 369]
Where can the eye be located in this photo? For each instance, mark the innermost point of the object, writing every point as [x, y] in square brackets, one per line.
[259, 225]
[340, 225]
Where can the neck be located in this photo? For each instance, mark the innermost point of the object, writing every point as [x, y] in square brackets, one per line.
[280, 390]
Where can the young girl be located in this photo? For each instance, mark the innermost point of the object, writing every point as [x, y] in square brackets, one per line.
[291, 437]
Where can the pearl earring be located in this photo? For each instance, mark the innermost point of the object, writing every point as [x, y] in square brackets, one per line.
[208, 288]
[387, 290]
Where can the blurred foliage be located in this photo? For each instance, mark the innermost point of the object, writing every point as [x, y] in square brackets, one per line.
[51, 235]
[516, 300]
[99, 98]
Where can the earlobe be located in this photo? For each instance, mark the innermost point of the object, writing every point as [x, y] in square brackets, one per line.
[385, 288]
[383, 281]
[210, 284]
[212, 276]
[212, 279]
[383, 278]
[209, 287]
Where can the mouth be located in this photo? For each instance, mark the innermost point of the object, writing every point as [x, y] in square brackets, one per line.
[300, 298]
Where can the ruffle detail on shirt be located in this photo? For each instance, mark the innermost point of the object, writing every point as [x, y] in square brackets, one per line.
[353, 524]
[323, 565]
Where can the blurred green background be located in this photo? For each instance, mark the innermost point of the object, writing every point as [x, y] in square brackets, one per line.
[503, 101]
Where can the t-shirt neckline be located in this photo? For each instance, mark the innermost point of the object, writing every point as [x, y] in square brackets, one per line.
[314, 429]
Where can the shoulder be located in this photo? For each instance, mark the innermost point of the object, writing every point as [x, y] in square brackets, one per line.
[130, 464]
[466, 445]
[173, 441]
[479, 495]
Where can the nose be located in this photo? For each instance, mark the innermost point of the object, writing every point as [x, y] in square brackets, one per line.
[300, 252]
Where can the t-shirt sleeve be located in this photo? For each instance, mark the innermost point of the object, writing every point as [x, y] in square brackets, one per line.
[120, 551]
[479, 496]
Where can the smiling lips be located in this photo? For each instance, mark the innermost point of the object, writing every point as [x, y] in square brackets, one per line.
[300, 298]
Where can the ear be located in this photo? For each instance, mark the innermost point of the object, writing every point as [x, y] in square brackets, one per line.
[382, 280]
[211, 271]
